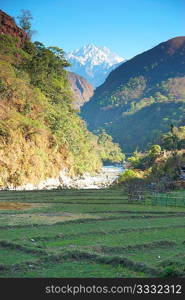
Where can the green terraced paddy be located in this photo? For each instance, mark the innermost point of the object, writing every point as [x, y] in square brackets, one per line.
[12, 256]
[79, 269]
[92, 233]
[122, 239]
[105, 226]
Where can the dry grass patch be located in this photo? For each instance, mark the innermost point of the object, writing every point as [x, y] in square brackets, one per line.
[46, 219]
[17, 206]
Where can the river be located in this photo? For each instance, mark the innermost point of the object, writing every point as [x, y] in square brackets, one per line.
[104, 178]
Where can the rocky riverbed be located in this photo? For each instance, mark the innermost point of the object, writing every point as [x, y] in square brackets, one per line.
[104, 178]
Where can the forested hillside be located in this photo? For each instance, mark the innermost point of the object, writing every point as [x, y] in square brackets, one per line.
[40, 132]
[142, 97]
[162, 167]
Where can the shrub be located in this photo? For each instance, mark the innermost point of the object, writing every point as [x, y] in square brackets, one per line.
[127, 175]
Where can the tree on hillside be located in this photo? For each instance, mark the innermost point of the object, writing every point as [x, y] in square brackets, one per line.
[25, 19]
[154, 151]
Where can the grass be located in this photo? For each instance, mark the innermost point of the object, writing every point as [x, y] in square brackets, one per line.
[79, 228]
[88, 238]
[79, 269]
[121, 239]
[12, 256]
[156, 255]
[29, 219]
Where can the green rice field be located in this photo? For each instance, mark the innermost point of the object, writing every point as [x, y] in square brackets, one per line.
[89, 233]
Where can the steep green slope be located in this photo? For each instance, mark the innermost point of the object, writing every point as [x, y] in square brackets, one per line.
[142, 128]
[140, 98]
[40, 132]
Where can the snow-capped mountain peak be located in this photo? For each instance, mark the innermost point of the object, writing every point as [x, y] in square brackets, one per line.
[94, 63]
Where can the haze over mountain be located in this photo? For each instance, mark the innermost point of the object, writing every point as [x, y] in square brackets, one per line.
[141, 98]
[93, 63]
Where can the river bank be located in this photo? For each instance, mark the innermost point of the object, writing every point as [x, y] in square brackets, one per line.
[103, 179]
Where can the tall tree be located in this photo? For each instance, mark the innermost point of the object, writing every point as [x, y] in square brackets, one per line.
[25, 19]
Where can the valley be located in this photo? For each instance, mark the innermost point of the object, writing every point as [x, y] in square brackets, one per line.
[92, 157]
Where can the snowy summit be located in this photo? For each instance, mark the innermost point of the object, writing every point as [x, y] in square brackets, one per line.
[94, 63]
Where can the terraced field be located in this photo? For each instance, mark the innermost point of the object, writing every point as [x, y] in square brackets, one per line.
[88, 233]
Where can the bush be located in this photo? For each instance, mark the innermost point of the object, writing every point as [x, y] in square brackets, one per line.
[128, 175]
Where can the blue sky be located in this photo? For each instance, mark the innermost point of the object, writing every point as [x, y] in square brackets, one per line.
[127, 27]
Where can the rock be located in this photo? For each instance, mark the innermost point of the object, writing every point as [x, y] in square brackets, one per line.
[60, 235]
[30, 266]
[8, 26]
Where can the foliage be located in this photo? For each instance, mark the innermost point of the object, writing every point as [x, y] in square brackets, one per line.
[135, 160]
[145, 160]
[124, 93]
[40, 133]
[25, 19]
[128, 174]
[144, 127]
[154, 151]
[175, 139]
[9, 52]
[109, 151]
[156, 166]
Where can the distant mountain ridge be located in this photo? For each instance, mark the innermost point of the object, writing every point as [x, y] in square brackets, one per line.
[142, 97]
[93, 63]
[81, 88]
